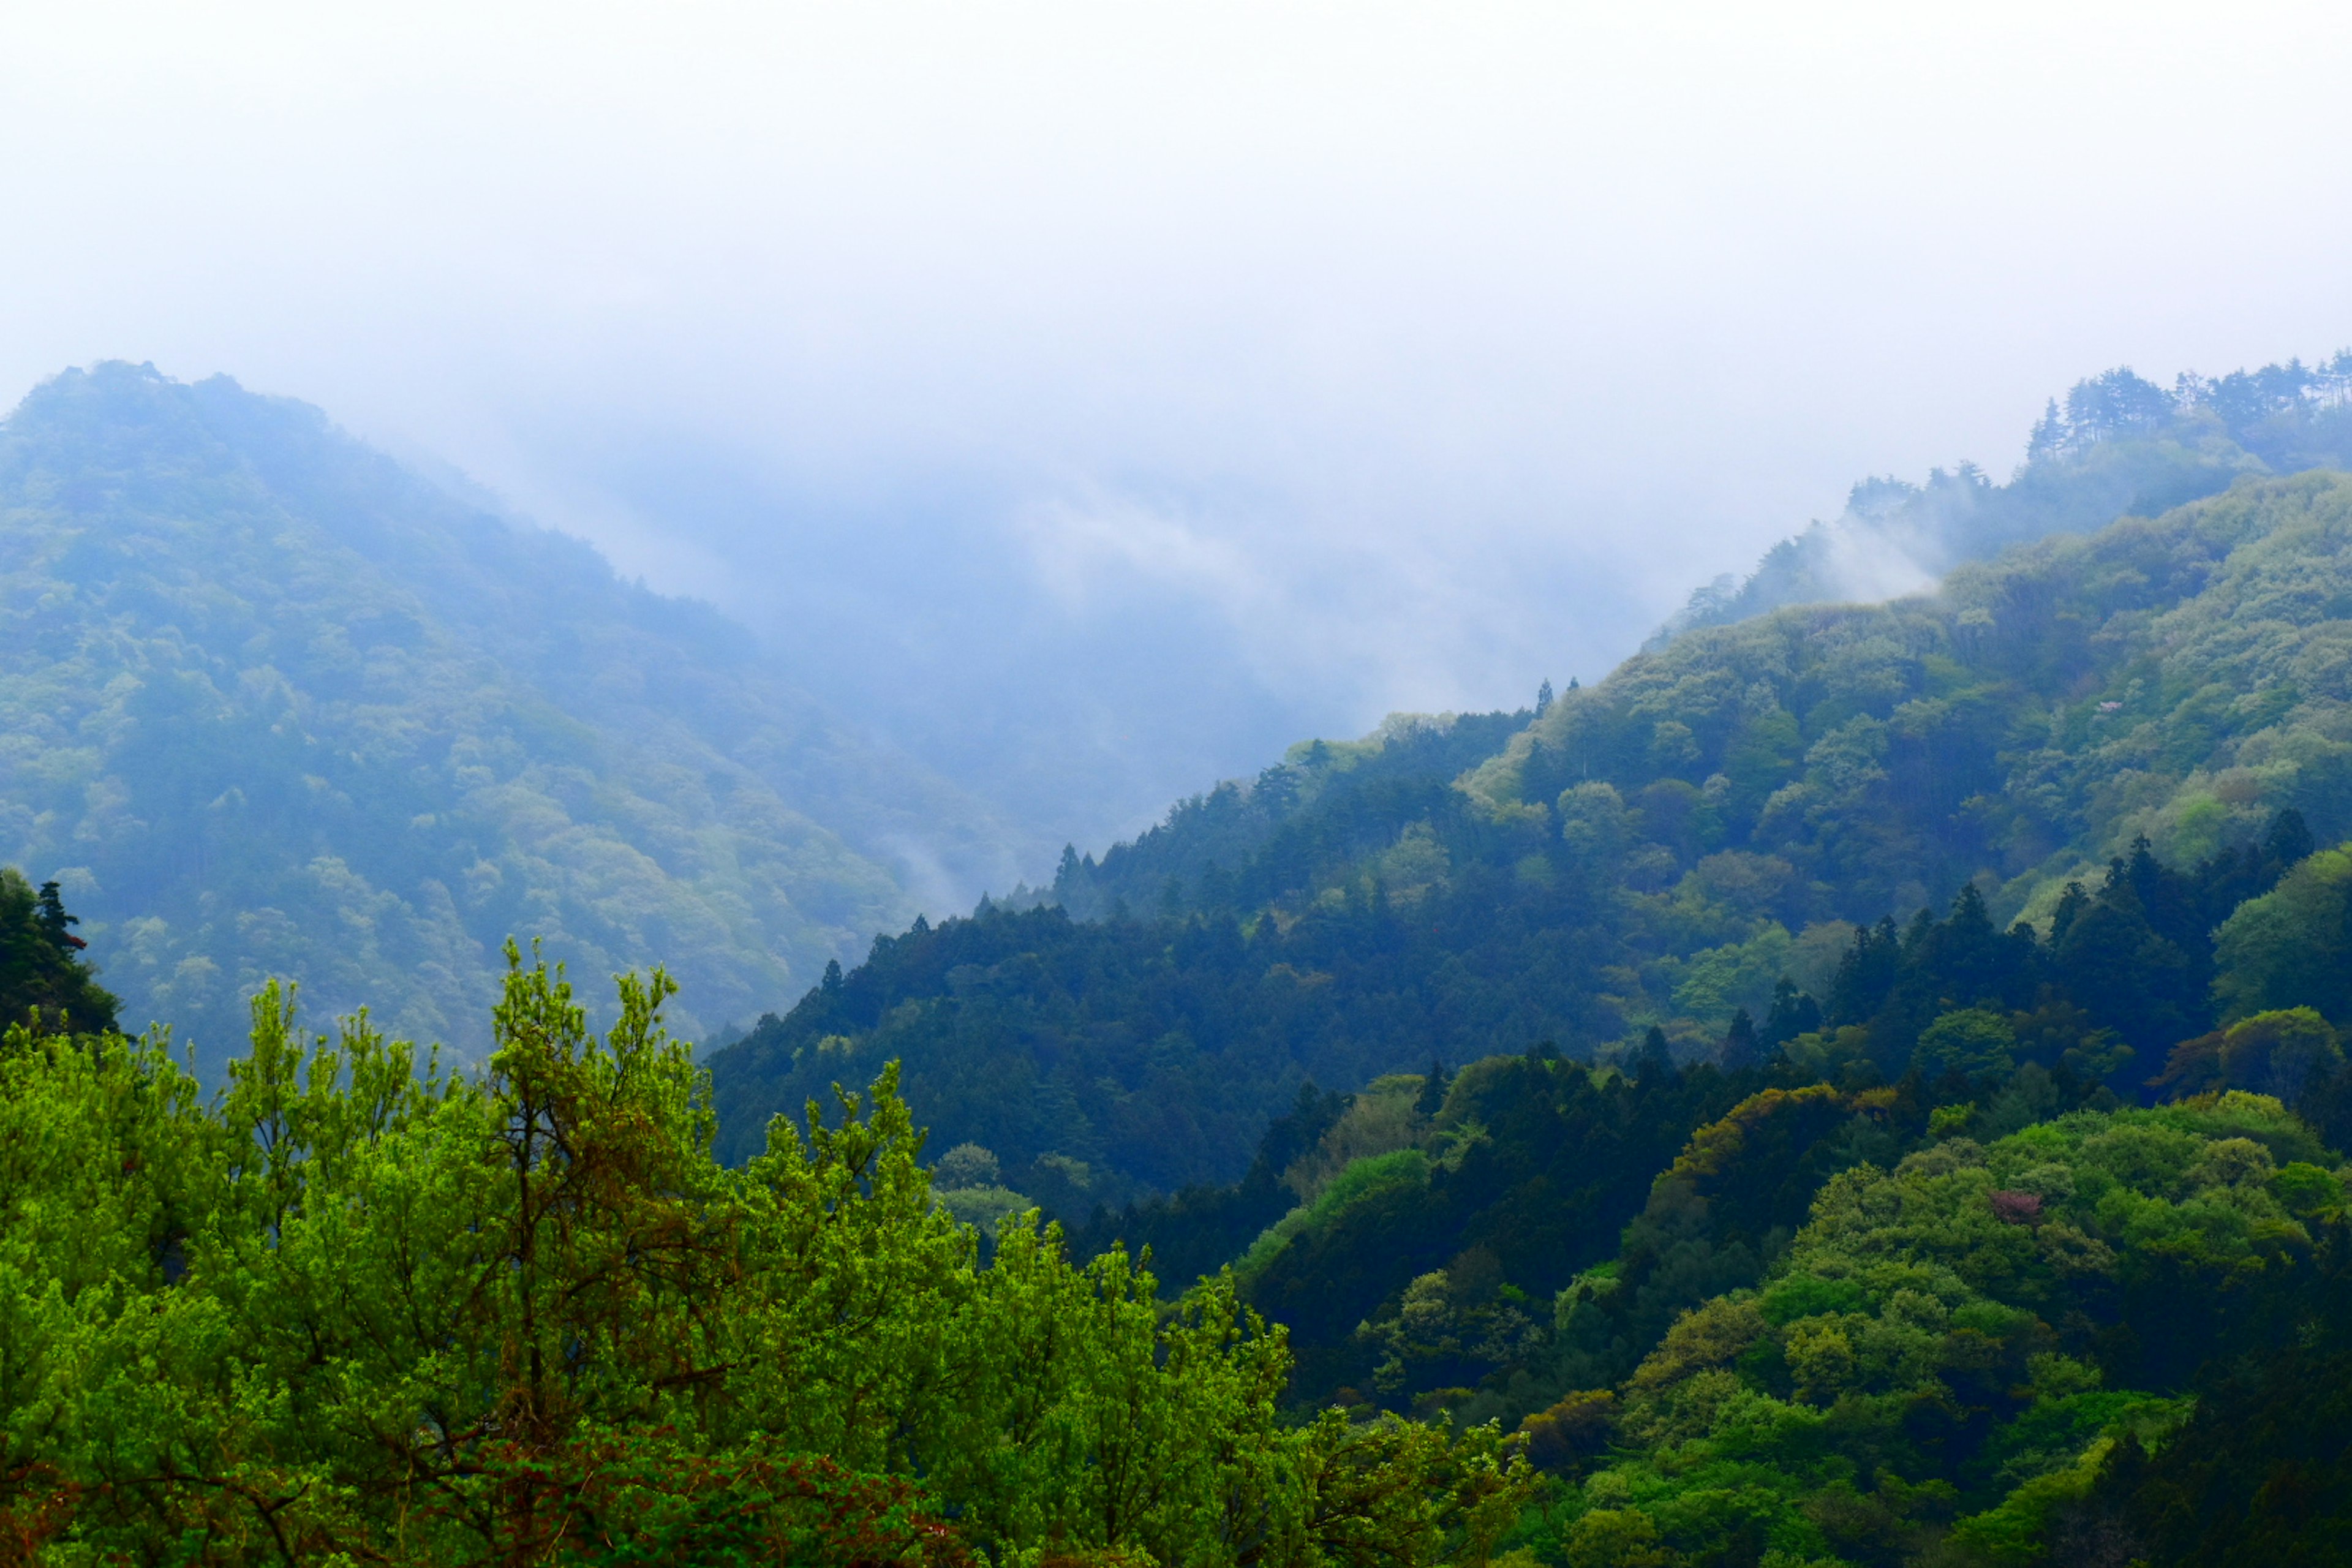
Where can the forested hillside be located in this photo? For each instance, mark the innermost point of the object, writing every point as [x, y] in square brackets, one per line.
[1502, 1186]
[1654, 851]
[274, 706]
[1862, 1087]
[2120, 445]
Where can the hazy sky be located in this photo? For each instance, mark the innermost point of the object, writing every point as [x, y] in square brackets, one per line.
[1370, 357]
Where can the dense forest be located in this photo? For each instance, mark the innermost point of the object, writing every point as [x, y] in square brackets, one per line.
[275, 705]
[1654, 851]
[1931, 1268]
[2121, 446]
[1863, 1085]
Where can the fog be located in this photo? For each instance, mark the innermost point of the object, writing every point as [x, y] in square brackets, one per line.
[1095, 399]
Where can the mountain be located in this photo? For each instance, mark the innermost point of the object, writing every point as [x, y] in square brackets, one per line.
[276, 705]
[2122, 446]
[1900, 1121]
[1654, 851]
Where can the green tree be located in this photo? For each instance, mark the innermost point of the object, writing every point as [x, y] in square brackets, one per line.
[44, 975]
[2291, 947]
[358, 1309]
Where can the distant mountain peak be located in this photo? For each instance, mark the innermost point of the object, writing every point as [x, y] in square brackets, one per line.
[277, 705]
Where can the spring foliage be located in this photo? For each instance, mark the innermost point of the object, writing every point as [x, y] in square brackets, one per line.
[355, 1308]
[1660, 847]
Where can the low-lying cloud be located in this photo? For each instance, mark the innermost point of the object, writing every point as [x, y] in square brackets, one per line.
[1096, 399]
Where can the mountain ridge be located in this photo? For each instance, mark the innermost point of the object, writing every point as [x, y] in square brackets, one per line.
[277, 705]
[1650, 852]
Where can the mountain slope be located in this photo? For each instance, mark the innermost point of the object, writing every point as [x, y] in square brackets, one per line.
[272, 705]
[1654, 851]
[2121, 447]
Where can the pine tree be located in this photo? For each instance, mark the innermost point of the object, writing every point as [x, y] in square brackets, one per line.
[43, 976]
[1739, 1042]
[2048, 436]
[2289, 840]
[1433, 1085]
[1656, 1060]
[55, 921]
[1793, 1012]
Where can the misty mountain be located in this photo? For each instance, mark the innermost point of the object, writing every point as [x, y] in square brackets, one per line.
[274, 705]
[2120, 445]
[1072, 668]
[1655, 851]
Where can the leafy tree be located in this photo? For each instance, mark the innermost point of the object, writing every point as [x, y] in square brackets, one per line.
[1941, 1363]
[359, 1308]
[2291, 947]
[43, 974]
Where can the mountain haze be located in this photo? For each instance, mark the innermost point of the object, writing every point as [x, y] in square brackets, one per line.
[1863, 1085]
[276, 705]
[1653, 852]
[2120, 445]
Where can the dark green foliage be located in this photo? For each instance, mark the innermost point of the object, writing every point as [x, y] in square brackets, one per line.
[1102, 1061]
[1659, 850]
[1536, 1169]
[1424, 1265]
[1724, 1210]
[2262, 1475]
[1794, 1013]
[1201, 1228]
[44, 977]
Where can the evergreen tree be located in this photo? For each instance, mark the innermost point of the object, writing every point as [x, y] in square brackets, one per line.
[43, 976]
[2288, 842]
[1655, 1062]
[1739, 1042]
[1431, 1098]
[1793, 1012]
[56, 923]
[2048, 436]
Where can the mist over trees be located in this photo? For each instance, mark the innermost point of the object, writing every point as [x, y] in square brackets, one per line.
[279, 707]
[1863, 1085]
[1657, 851]
[2121, 446]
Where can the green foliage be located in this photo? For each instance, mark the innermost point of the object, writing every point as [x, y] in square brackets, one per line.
[276, 706]
[2293, 946]
[1414, 1279]
[360, 1309]
[2162, 699]
[2262, 1474]
[43, 976]
[1952, 1349]
[1974, 1042]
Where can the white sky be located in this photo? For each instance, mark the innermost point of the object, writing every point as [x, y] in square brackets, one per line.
[1427, 349]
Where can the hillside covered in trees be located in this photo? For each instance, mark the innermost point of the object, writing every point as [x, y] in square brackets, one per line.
[1861, 1087]
[276, 705]
[1655, 851]
[2120, 445]
[1901, 1280]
